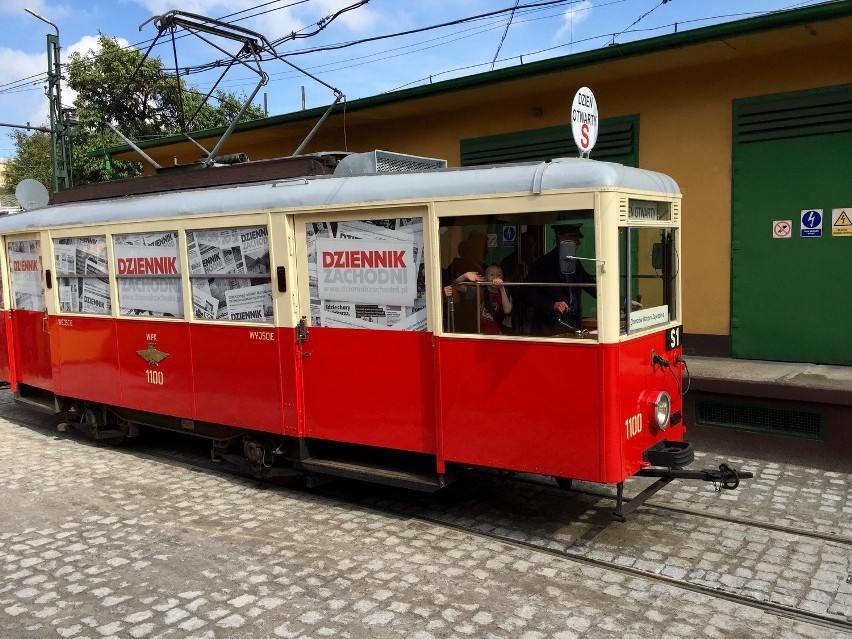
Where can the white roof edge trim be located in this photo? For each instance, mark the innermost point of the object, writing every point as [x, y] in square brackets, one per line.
[313, 192]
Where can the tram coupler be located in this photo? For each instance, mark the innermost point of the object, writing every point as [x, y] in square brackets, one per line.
[724, 477]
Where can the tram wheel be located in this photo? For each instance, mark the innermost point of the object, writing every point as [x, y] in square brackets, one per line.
[94, 421]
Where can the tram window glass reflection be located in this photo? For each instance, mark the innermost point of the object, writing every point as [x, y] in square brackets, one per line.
[524, 247]
[647, 265]
[367, 274]
[27, 292]
[147, 267]
[82, 272]
[229, 271]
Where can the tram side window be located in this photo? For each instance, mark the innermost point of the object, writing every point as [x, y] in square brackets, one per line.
[521, 250]
[147, 267]
[367, 274]
[647, 267]
[82, 270]
[27, 292]
[229, 271]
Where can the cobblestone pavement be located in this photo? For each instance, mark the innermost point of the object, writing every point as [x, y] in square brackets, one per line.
[781, 567]
[99, 542]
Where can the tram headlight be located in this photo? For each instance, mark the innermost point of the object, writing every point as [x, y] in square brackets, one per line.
[662, 410]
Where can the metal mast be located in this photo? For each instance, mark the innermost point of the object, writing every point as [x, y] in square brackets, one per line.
[59, 139]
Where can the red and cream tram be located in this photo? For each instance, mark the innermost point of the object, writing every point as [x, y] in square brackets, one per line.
[302, 321]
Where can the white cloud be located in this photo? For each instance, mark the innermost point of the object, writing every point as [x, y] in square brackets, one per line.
[29, 99]
[89, 43]
[572, 18]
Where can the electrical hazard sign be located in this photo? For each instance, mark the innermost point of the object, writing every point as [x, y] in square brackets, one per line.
[811, 223]
[841, 221]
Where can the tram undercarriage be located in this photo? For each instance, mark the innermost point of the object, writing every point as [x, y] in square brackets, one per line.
[268, 456]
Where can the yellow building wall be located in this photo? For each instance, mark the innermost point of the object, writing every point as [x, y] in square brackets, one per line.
[685, 130]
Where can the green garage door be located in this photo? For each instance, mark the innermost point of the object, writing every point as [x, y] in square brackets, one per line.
[791, 298]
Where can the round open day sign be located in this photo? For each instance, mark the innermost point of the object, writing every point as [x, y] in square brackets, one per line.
[584, 120]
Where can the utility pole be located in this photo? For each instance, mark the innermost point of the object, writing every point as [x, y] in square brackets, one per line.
[60, 160]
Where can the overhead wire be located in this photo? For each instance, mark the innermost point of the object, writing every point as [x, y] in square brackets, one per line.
[245, 14]
[442, 40]
[639, 19]
[418, 46]
[43, 76]
[503, 39]
[29, 83]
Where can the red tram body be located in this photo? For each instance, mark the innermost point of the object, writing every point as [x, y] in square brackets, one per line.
[218, 311]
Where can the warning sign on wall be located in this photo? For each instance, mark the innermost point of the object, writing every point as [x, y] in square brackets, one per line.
[781, 229]
[841, 221]
[811, 223]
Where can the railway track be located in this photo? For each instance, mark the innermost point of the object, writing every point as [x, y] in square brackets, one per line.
[827, 621]
[653, 505]
[370, 498]
[353, 494]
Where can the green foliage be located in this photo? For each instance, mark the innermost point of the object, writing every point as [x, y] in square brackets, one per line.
[31, 160]
[151, 105]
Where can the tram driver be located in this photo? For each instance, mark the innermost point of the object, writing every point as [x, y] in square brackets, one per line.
[557, 309]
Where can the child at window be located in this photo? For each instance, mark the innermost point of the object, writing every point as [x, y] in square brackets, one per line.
[495, 302]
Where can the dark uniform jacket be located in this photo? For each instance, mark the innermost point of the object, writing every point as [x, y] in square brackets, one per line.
[546, 269]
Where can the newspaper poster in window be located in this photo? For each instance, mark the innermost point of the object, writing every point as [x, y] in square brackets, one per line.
[147, 267]
[314, 230]
[69, 287]
[221, 253]
[95, 286]
[25, 273]
[366, 274]
[249, 304]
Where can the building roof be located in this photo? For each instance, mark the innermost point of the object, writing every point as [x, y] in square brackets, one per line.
[674, 42]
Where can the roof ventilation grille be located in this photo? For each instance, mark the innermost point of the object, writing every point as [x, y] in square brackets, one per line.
[385, 162]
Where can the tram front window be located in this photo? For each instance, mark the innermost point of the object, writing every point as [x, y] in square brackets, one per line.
[648, 268]
[501, 275]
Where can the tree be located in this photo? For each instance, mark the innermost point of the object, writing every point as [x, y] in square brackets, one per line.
[144, 106]
[31, 160]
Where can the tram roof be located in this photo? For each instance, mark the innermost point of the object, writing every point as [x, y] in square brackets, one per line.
[314, 191]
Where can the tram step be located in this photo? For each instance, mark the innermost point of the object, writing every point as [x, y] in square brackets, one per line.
[426, 482]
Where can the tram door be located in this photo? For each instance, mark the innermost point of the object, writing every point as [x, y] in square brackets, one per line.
[5, 331]
[30, 322]
[367, 370]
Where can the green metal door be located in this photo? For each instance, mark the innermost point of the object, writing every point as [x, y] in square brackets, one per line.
[618, 141]
[790, 295]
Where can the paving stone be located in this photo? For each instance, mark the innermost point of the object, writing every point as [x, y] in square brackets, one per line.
[129, 545]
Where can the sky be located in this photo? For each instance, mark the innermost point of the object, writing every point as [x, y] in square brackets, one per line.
[517, 32]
